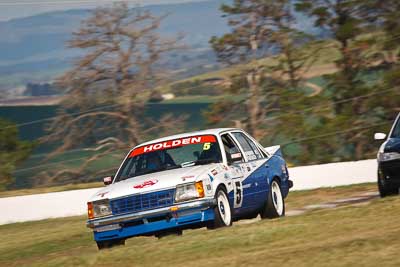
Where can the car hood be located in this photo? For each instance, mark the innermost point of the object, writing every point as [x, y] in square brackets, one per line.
[392, 145]
[153, 182]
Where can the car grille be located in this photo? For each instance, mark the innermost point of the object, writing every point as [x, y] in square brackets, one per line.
[137, 203]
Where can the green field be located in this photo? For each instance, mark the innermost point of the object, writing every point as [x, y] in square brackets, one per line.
[353, 235]
[18, 114]
[41, 190]
[327, 55]
[38, 162]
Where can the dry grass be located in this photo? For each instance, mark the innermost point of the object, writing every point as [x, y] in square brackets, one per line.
[348, 236]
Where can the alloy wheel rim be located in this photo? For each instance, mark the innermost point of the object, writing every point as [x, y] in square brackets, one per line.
[223, 207]
[277, 197]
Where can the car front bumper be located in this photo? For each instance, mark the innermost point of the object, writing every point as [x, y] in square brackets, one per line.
[153, 221]
[389, 171]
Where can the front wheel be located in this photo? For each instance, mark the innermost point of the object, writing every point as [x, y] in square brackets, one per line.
[222, 211]
[385, 189]
[274, 207]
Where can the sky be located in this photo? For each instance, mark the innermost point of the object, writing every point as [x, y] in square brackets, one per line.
[10, 9]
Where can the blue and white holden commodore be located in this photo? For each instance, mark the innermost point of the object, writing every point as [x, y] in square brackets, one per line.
[206, 178]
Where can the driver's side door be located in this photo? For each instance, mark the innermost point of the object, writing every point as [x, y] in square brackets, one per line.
[235, 171]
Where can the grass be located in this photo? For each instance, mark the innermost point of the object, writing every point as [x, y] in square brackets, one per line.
[358, 235]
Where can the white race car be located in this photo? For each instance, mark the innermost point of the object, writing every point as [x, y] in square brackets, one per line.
[206, 178]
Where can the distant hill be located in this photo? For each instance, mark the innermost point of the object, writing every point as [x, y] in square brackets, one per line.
[32, 49]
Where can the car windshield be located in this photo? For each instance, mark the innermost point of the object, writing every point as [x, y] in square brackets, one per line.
[396, 130]
[172, 154]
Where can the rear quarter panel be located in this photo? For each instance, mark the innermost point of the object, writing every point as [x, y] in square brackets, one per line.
[278, 169]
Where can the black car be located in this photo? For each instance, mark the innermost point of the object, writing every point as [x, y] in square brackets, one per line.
[389, 161]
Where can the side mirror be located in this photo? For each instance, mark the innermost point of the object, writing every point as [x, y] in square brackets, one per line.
[380, 136]
[108, 180]
[234, 155]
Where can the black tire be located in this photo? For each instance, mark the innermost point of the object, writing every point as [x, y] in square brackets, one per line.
[222, 210]
[385, 189]
[274, 207]
[110, 243]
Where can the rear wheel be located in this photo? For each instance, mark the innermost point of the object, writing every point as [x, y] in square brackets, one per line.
[110, 243]
[222, 211]
[274, 207]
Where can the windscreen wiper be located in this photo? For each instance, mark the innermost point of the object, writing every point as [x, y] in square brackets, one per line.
[205, 161]
[188, 164]
[198, 162]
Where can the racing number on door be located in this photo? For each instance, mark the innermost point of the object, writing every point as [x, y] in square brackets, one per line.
[238, 195]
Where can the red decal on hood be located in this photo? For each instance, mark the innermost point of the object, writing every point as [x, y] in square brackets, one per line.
[146, 184]
[102, 194]
[187, 177]
[173, 143]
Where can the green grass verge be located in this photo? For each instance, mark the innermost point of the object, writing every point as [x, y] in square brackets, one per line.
[42, 190]
[30, 170]
[358, 235]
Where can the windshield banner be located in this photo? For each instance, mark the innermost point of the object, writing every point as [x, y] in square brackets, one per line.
[173, 144]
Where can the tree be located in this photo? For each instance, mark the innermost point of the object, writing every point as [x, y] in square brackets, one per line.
[12, 152]
[342, 18]
[260, 29]
[383, 16]
[386, 15]
[346, 21]
[107, 89]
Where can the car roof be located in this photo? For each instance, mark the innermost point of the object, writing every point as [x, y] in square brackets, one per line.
[215, 131]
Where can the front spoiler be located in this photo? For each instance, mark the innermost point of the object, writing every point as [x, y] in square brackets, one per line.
[198, 204]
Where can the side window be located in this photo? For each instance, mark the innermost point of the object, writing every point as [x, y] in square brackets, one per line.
[254, 147]
[250, 149]
[229, 144]
[265, 155]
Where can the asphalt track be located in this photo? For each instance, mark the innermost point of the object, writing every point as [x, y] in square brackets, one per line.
[73, 203]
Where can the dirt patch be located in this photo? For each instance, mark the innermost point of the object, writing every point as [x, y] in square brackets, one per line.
[317, 89]
[361, 199]
[356, 200]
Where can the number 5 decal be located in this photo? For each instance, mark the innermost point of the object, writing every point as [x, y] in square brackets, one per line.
[206, 146]
[238, 198]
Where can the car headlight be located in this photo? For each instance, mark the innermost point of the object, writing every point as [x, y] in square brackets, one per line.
[99, 209]
[190, 191]
[388, 156]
